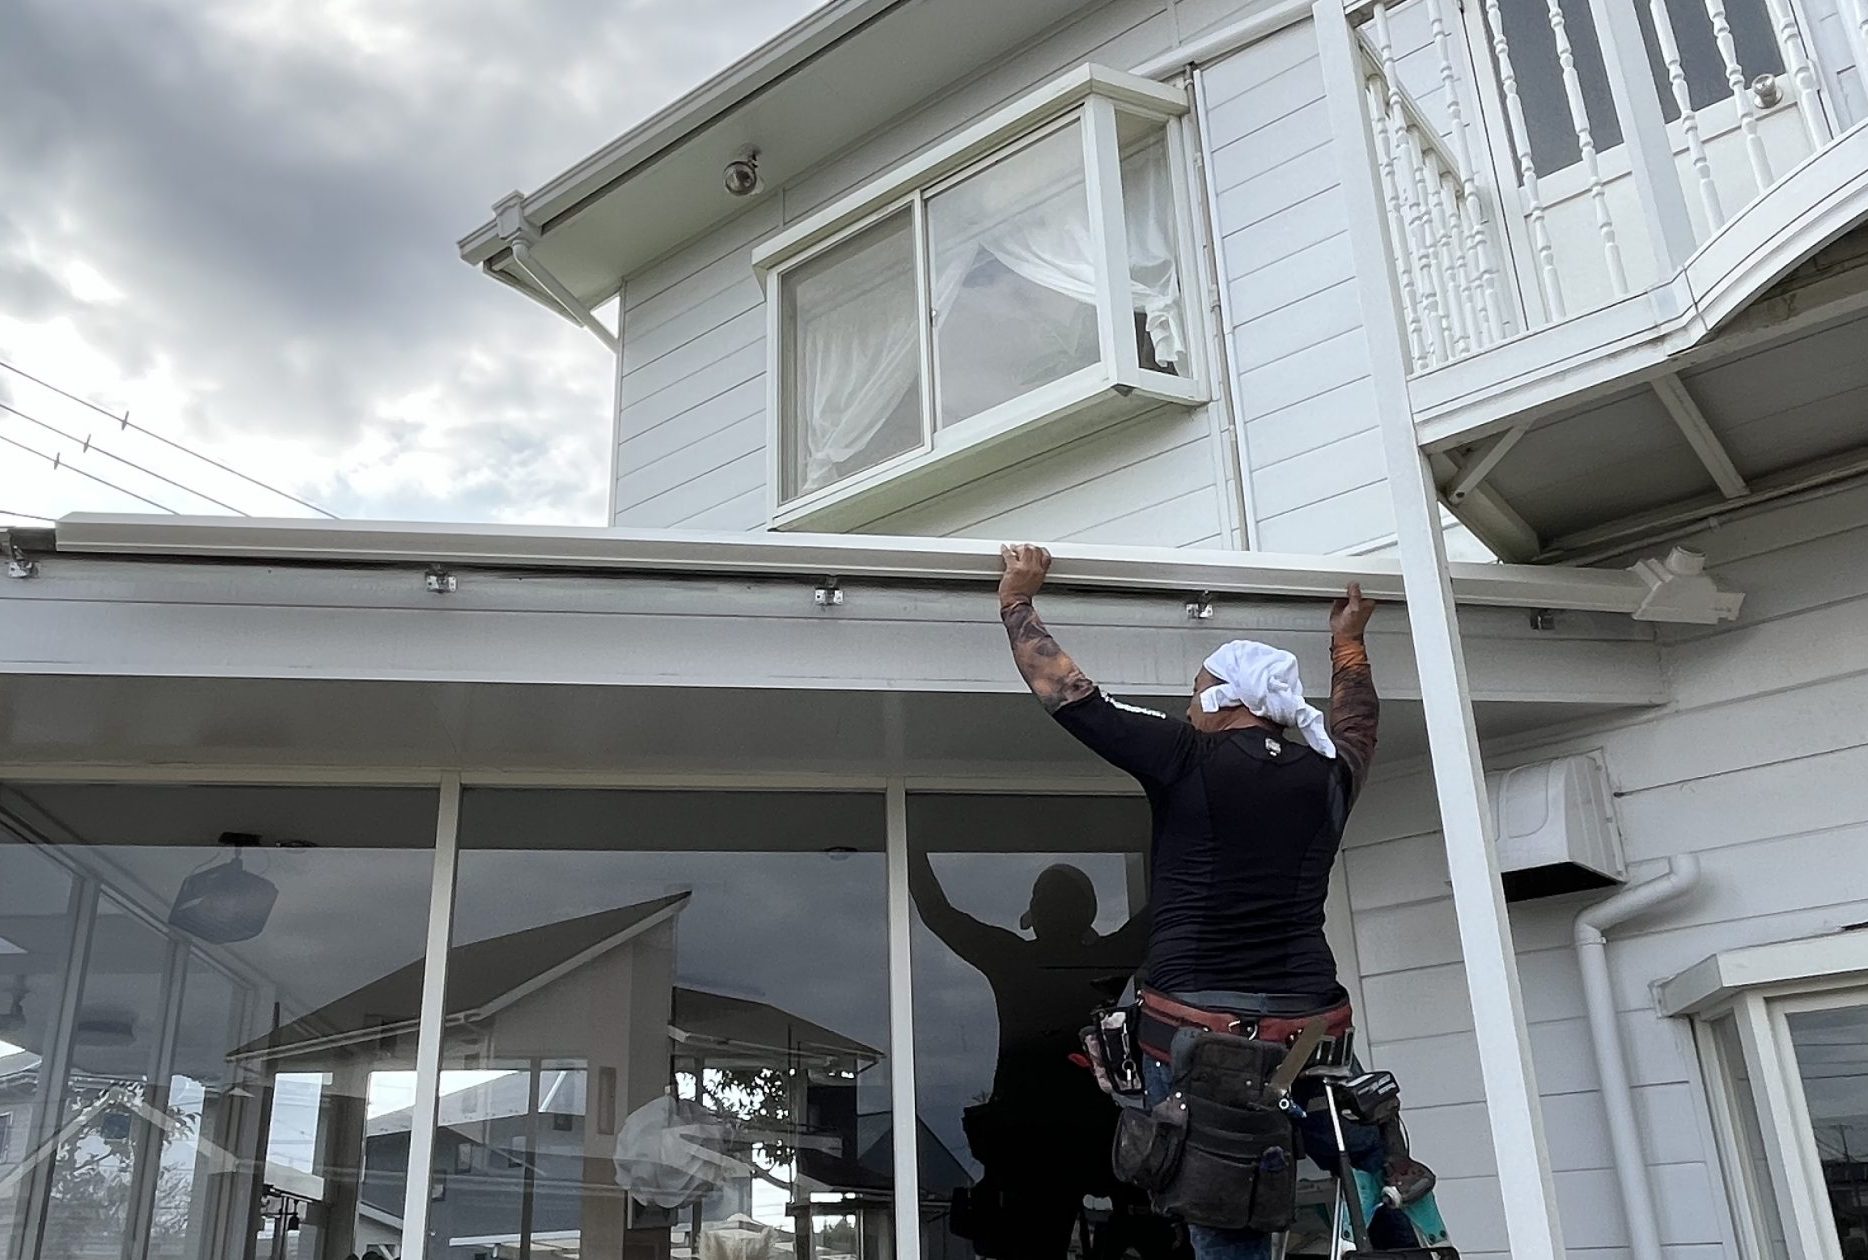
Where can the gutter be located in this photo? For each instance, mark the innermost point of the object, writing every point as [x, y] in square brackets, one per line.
[1592, 926]
[1636, 592]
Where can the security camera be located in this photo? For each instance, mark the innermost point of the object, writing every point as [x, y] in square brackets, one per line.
[742, 174]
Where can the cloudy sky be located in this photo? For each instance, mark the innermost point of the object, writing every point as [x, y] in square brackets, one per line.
[236, 218]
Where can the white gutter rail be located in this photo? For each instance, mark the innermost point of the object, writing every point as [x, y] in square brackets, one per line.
[1183, 571]
[1592, 926]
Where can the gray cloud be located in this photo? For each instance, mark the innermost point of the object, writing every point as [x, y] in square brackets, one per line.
[274, 191]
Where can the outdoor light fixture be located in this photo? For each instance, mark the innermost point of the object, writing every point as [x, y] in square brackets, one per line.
[225, 903]
[742, 173]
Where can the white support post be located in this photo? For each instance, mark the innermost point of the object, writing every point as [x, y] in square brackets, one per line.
[1512, 1104]
[430, 1026]
[902, 1028]
[1644, 133]
[1689, 117]
[1747, 108]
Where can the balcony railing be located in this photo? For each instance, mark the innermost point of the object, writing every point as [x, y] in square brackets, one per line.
[1541, 159]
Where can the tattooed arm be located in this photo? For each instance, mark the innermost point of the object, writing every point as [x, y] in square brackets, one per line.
[1354, 706]
[1052, 676]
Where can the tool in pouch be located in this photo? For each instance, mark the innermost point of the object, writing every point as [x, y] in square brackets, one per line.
[1221, 1149]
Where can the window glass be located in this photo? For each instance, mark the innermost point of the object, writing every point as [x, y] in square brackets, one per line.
[1539, 72]
[213, 990]
[667, 1028]
[1832, 1060]
[851, 321]
[1158, 310]
[1014, 277]
[1029, 916]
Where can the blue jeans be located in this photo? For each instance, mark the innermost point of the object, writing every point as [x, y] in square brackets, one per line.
[1365, 1153]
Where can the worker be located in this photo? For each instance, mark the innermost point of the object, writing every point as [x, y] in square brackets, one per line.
[1247, 823]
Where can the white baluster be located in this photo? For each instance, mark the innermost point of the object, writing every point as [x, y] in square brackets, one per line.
[1802, 71]
[1377, 96]
[1478, 241]
[1586, 143]
[1741, 94]
[1527, 165]
[1413, 196]
[1689, 117]
[1468, 321]
[1446, 252]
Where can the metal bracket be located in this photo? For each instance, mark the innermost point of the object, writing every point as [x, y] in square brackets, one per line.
[19, 564]
[829, 594]
[1543, 619]
[1200, 607]
[440, 582]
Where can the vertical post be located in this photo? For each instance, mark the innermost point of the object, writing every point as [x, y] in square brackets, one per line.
[146, 1164]
[1511, 1097]
[1472, 207]
[48, 1115]
[1644, 133]
[902, 1029]
[430, 1028]
[1802, 68]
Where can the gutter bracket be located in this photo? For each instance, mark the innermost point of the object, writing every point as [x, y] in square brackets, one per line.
[18, 563]
[520, 234]
[1680, 591]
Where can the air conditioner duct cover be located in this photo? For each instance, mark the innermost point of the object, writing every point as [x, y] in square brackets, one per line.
[1555, 828]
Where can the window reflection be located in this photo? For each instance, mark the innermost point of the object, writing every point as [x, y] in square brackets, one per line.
[666, 1016]
[1832, 1060]
[1031, 915]
[180, 1075]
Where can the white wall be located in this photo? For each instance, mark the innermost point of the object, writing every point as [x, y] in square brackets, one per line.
[692, 426]
[1760, 765]
[1299, 346]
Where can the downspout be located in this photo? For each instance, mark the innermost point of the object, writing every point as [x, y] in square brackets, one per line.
[519, 233]
[1592, 925]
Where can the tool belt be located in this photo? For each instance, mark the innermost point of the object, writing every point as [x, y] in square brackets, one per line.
[1221, 1149]
[1260, 1017]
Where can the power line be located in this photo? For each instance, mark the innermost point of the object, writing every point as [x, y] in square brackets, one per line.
[89, 448]
[124, 421]
[31, 516]
[58, 463]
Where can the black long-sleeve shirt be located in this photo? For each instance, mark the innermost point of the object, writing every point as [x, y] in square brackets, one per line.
[1246, 823]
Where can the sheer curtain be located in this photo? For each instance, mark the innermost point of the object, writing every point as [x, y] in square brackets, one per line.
[860, 350]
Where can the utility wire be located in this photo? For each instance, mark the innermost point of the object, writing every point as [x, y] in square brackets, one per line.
[124, 421]
[31, 516]
[57, 464]
[90, 449]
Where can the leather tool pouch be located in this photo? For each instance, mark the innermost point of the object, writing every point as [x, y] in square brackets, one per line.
[1218, 1151]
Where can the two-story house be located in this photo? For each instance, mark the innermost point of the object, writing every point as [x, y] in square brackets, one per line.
[1542, 319]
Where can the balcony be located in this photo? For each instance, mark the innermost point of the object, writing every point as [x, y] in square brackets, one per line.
[1594, 208]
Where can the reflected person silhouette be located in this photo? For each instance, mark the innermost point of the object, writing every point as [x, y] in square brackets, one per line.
[1043, 1134]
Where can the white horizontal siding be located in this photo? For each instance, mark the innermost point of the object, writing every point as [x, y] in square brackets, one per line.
[692, 428]
[1298, 342]
[1760, 766]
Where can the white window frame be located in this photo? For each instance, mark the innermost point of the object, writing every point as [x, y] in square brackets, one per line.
[1110, 390]
[1758, 988]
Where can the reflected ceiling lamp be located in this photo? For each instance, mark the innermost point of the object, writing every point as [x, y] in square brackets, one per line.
[226, 903]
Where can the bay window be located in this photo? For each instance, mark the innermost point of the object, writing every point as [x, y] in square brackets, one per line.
[1007, 291]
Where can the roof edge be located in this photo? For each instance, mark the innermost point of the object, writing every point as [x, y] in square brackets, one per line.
[816, 556]
[771, 61]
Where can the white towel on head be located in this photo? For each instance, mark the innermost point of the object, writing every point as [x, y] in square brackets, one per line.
[1263, 679]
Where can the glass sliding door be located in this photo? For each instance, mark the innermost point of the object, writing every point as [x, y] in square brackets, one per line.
[210, 998]
[666, 1029]
[1030, 913]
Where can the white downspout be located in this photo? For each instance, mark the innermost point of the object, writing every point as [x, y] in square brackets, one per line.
[1637, 1192]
